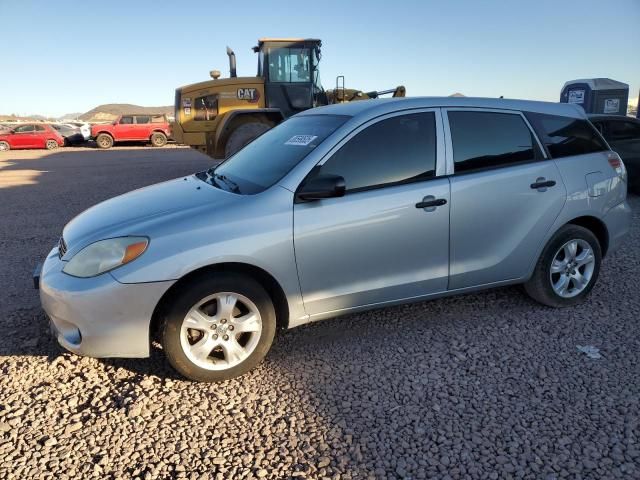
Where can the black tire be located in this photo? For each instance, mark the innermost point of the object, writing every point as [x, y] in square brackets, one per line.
[4, 146]
[540, 288]
[193, 293]
[158, 139]
[104, 140]
[51, 144]
[243, 135]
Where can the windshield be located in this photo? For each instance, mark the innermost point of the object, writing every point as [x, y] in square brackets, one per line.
[272, 155]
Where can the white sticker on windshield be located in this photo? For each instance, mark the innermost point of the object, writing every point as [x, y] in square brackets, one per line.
[302, 140]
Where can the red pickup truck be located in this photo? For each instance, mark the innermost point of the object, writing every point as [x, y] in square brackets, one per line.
[133, 128]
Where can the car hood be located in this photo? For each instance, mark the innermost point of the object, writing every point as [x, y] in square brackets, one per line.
[140, 211]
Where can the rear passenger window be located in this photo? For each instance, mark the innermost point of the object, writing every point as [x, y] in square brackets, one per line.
[143, 119]
[489, 139]
[566, 136]
[157, 119]
[400, 149]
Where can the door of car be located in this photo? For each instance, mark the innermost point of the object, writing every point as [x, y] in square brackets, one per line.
[40, 136]
[142, 127]
[23, 137]
[377, 244]
[505, 195]
[124, 128]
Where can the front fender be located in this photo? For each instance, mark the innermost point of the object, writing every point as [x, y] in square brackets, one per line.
[255, 230]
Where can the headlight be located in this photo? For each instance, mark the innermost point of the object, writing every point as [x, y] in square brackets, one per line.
[105, 255]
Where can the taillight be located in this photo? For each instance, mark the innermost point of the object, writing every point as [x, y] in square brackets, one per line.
[617, 164]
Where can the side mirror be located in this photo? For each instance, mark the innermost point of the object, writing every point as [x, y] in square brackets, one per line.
[322, 186]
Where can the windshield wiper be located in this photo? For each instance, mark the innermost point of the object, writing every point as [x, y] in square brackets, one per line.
[207, 177]
[232, 185]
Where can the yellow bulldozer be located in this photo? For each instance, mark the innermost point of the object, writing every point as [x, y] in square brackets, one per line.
[220, 116]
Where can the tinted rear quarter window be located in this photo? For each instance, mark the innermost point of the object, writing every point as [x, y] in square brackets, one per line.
[489, 139]
[566, 136]
[397, 150]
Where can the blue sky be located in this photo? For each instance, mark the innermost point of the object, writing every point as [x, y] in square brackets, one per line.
[61, 56]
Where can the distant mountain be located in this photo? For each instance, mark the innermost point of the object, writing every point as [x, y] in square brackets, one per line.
[70, 116]
[110, 111]
[101, 113]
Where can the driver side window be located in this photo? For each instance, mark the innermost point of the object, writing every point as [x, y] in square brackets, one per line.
[397, 150]
[126, 120]
[24, 129]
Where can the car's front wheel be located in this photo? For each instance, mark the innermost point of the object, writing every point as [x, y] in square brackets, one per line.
[104, 140]
[567, 269]
[4, 146]
[218, 327]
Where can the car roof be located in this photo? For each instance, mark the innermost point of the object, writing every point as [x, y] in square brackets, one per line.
[388, 105]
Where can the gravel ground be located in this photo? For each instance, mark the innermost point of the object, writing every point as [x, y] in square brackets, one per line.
[480, 386]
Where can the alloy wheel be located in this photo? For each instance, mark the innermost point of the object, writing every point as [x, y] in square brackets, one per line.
[572, 268]
[221, 331]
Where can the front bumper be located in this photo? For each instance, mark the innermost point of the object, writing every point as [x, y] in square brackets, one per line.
[99, 316]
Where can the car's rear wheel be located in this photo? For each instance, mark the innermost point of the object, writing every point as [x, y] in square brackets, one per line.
[158, 139]
[568, 268]
[218, 327]
[243, 135]
[51, 144]
[4, 146]
[104, 140]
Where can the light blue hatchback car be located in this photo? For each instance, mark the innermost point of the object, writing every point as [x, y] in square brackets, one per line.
[339, 209]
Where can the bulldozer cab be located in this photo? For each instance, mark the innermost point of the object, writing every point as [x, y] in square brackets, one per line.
[290, 68]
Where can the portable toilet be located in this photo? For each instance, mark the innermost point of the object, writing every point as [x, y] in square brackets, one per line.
[597, 95]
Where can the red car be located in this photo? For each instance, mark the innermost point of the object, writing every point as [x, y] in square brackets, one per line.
[133, 128]
[30, 135]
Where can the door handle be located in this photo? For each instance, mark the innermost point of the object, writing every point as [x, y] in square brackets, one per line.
[542, 183]
[432, 202]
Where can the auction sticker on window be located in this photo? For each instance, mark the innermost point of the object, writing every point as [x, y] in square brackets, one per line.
[302, 140]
